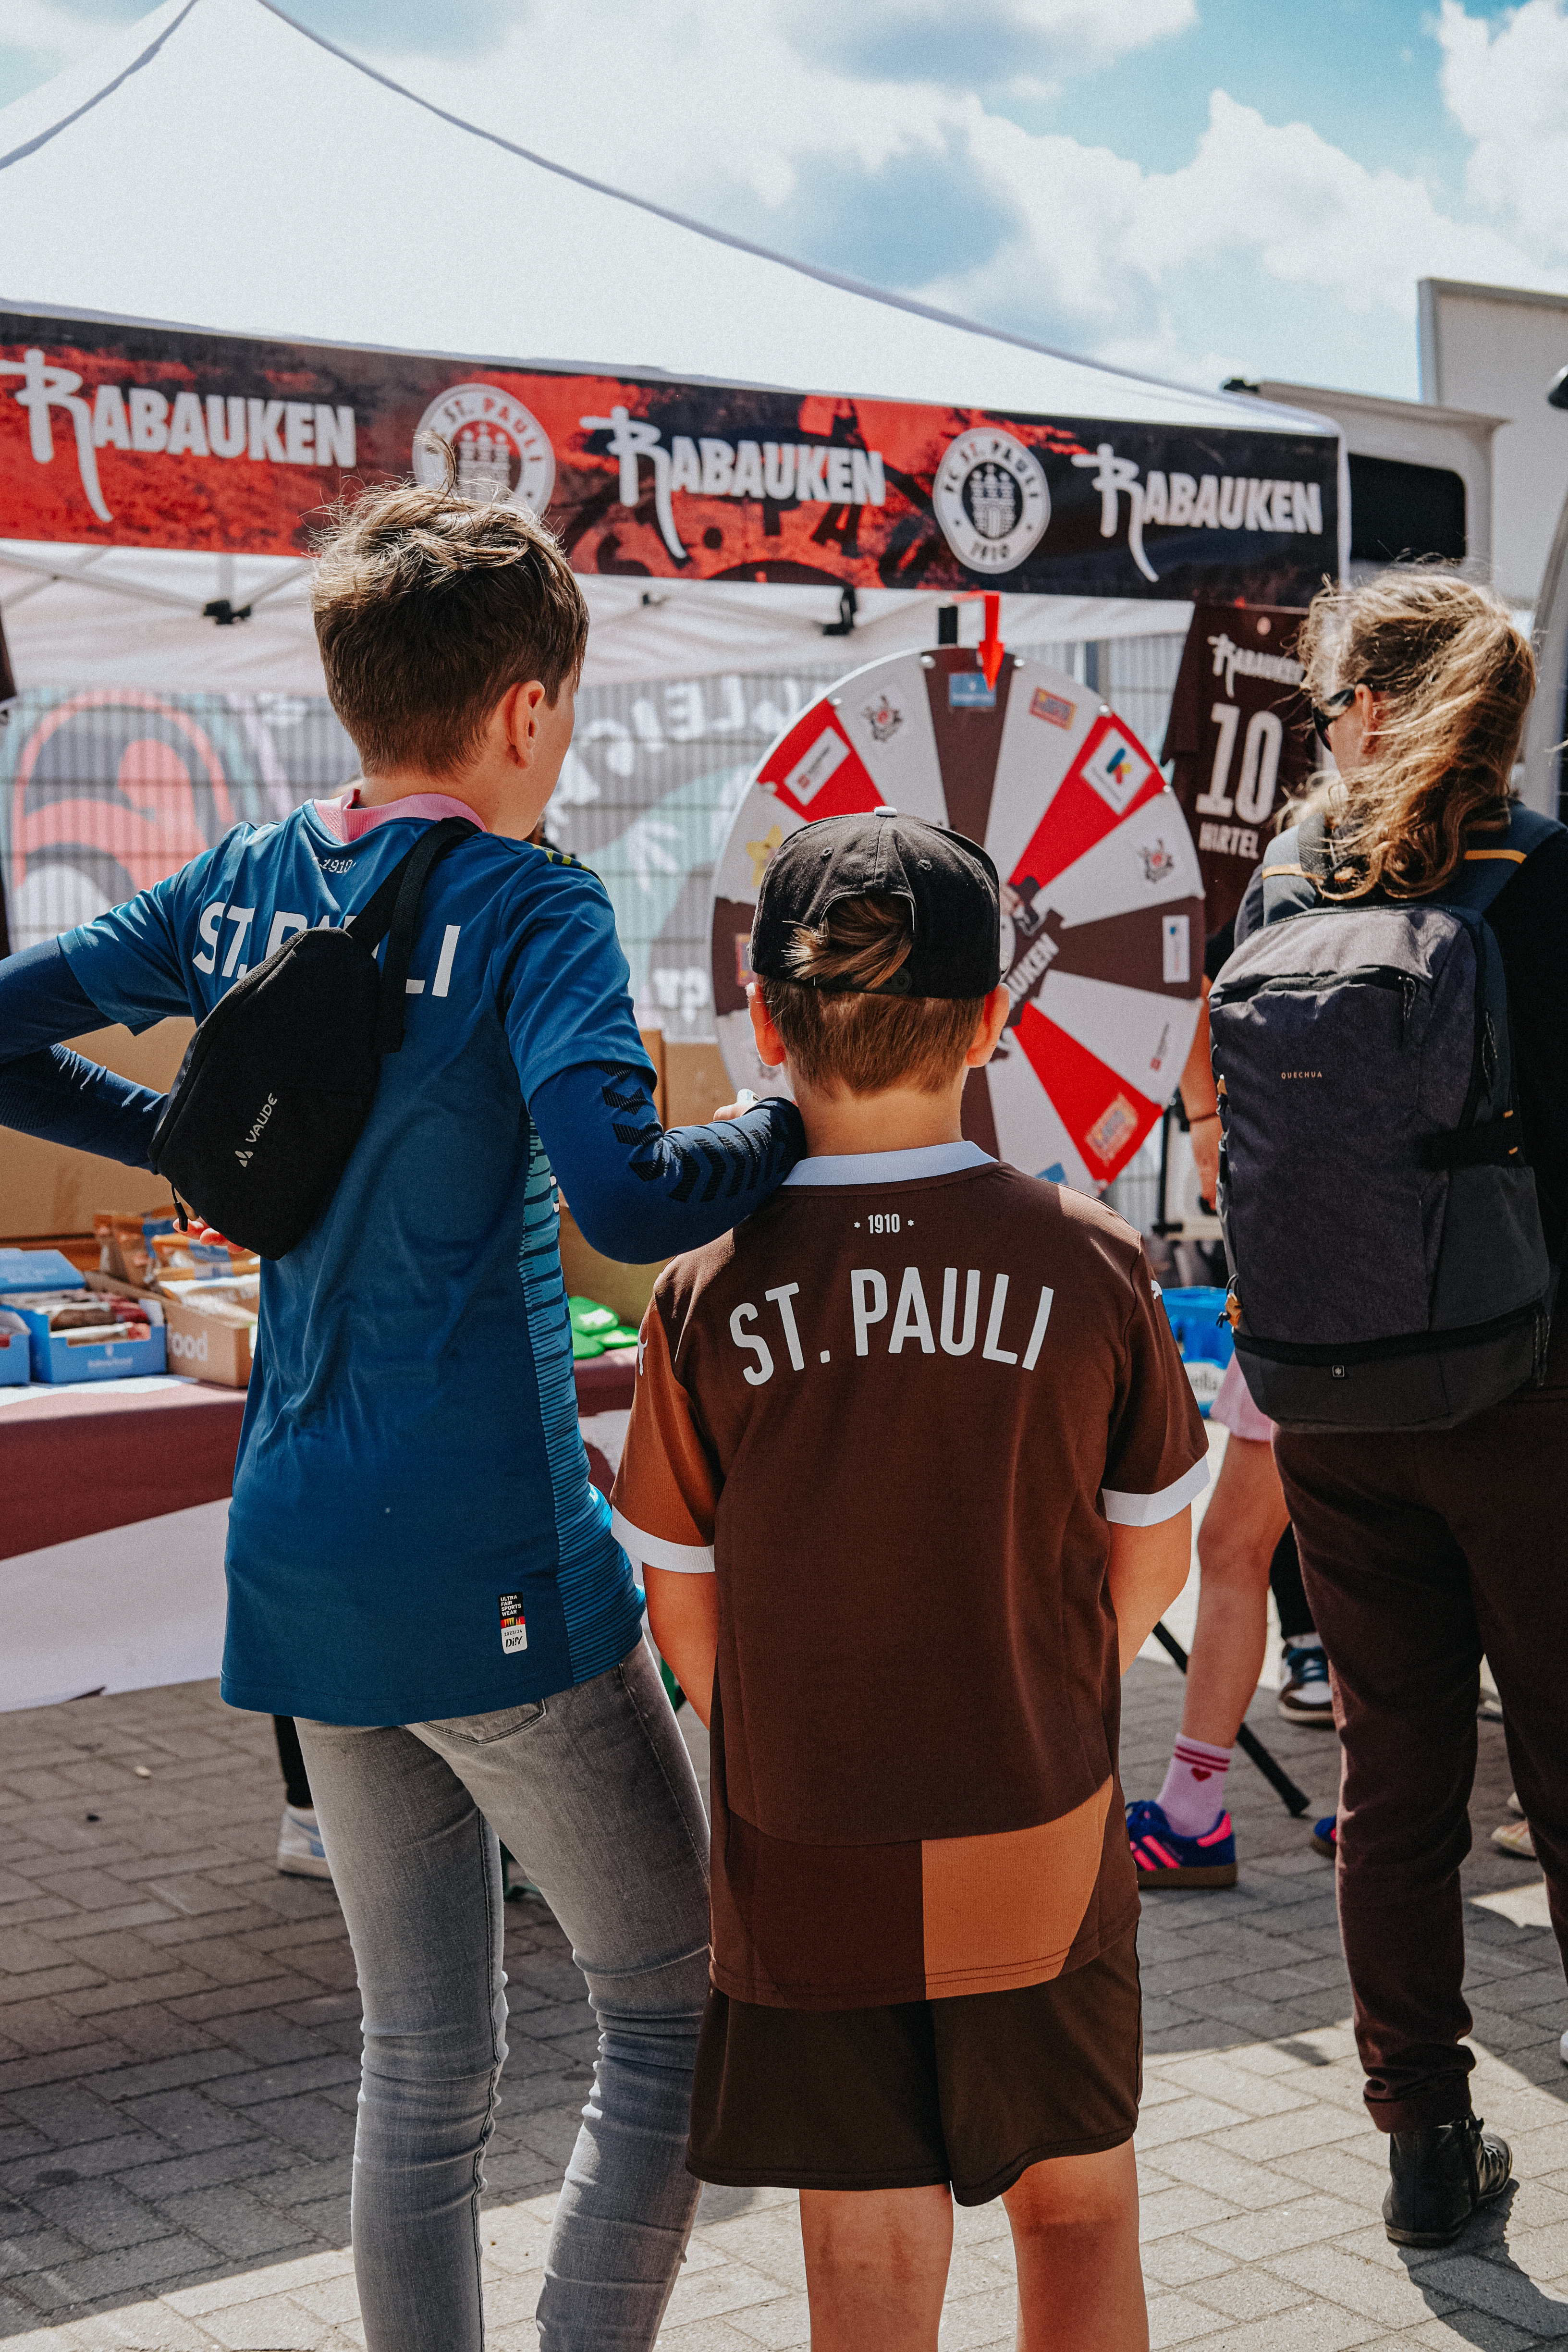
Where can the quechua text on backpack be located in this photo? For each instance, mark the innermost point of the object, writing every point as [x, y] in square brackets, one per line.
[279, 1079]
[1388, 1268]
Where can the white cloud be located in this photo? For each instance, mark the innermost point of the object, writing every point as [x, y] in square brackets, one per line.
[1506, 85]
[870, 136]
[1023, 48]
[762, 119]
[53, 28]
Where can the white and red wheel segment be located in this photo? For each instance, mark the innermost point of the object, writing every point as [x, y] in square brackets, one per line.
[1103, 933]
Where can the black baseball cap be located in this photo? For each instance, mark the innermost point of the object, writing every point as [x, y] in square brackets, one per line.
[951, 884]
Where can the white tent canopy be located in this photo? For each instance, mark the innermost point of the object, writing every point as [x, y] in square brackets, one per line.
[133, 619]
[218, 167]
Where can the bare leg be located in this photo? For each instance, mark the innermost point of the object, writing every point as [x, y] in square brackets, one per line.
[1244, 1521]
[875, 2267]
[1075, 2234]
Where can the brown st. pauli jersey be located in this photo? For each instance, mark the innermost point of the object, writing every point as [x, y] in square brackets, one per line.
[1238, 741]
[895, 1412]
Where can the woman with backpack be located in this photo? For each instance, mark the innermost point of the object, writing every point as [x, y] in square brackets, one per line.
[1391, 1046]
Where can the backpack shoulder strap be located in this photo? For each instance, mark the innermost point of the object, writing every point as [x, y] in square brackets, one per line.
[393, 914]
[1292, 869]
[1493, 858]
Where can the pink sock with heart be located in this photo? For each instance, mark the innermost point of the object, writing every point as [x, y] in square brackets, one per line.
[1193, 1798]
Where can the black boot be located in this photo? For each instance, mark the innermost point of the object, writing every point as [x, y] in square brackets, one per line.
[1440, 2178]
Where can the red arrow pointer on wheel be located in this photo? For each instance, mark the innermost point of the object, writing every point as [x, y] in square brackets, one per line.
[991, 646]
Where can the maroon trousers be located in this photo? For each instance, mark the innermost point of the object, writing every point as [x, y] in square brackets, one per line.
[1418, 1554]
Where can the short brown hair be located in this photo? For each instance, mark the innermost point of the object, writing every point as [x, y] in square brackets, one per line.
[427, 607]
[838, 1037]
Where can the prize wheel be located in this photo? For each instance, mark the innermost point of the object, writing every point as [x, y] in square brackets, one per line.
[1102, 930]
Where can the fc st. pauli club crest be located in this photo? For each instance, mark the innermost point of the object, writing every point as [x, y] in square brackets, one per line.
[503, 451]
[884, 718]
[991, 499]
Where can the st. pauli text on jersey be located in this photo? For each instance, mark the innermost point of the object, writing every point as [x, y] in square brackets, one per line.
[1239, 740]
[125, 435]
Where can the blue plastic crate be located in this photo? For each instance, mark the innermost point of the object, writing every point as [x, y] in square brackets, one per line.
[1204, 1335]
[16, 1355]
[54, 1359]
[36, 1269]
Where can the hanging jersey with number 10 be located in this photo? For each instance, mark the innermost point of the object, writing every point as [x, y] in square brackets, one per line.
[1239, 741]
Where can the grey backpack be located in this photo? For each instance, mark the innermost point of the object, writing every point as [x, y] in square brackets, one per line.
[1388, 1269]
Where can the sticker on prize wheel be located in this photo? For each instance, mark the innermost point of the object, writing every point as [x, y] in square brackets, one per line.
[1103, 926]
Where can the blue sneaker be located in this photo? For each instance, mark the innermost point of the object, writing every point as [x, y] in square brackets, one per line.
[1326, 1835]
[1164, 1859]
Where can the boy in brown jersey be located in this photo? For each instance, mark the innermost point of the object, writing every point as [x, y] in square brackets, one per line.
[909, 1473]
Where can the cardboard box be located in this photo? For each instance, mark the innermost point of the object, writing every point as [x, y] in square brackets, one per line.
[36, 1269]
[15, 1349]
[63, 1356]
[692, 1084]
[208, 1347]
[627, 1288]
[46, 1188]
[123, 1249]
[139, 1249]
[695, 1084]
[215, 1342]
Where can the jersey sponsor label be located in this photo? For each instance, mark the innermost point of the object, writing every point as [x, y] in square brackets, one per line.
[1055, 707]
[1116, 768]
[513, 1625]
[806, 778]
[1116, 1123]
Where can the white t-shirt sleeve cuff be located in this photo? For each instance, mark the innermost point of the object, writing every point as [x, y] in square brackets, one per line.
[1150, 1510]
[654, 1552]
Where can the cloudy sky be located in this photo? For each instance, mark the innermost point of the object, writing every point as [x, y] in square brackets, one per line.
[1198, 188]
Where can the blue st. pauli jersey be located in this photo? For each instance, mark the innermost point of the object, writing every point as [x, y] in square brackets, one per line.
[413, 1532]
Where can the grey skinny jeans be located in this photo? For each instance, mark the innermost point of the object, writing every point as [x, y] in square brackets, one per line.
[593, 1790]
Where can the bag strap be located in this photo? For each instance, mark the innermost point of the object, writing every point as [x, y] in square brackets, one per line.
[393, 914]
[1492, 860]
[1292, 867]
[1303, 859]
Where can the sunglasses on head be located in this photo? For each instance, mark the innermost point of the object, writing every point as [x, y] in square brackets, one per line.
[1325, 714]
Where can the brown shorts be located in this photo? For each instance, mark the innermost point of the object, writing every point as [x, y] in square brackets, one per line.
[970, 2091]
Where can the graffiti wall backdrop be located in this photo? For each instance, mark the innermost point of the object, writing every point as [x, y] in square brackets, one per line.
[103, 793]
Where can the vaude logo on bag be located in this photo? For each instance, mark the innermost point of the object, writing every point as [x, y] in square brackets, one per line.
[262, 1116]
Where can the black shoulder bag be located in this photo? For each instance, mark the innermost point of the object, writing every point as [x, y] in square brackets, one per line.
[279, 1079]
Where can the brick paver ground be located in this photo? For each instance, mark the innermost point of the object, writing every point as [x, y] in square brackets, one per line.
[178, 2040]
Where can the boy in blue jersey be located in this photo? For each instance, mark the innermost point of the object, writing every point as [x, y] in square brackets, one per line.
[419, 1570]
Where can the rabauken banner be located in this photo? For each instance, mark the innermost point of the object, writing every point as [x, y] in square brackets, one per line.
[129, 435]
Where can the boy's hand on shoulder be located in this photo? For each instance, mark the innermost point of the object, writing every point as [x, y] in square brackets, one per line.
[745, 1102]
